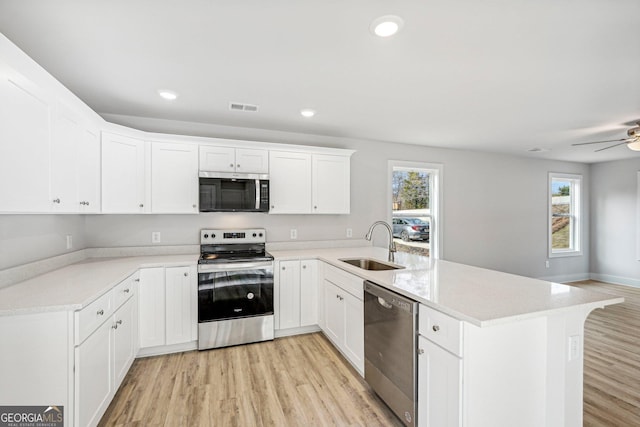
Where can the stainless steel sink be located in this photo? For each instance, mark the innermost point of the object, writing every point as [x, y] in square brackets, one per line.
[370, 264]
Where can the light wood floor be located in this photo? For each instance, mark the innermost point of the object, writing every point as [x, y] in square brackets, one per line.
[303, 381]
[294, 381]
[612, 359]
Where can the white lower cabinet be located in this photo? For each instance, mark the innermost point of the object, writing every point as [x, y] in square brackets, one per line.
[168, 306]
[104, 357]
[297, 293]
[343, 314]
[439, 385]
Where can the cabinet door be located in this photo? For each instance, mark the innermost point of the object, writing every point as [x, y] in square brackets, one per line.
[89, 171]
[252, 161]
[123, 174]
[290, 182]
[334, 321]
[331, 184]
[93, 377]
[181, 288]
[174, 178]
[123, 345]
[64, 161]
[308, 292]
[354, 330]
[439, 386]
[151, 307]
[25, 117]
[217, 159]
[289, 282]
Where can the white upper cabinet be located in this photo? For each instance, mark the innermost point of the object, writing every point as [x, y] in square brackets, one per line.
[89, 171]
[302, 183]
[290, 182]
[124, 174]
[25, 122]
[229, 159]
[65, 140]
[174, 177]
[330, 184]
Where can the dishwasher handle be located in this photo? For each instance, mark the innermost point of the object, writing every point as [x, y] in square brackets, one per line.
[388, 299]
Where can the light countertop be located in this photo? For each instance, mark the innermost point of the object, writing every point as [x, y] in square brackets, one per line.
[76, 285]
[477, 295]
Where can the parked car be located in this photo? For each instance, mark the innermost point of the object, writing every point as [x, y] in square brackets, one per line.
[408, 228]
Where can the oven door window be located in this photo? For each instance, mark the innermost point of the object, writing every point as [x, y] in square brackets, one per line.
[233, 294]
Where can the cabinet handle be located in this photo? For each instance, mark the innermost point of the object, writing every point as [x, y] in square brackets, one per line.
[100, 312]
[119, 322]
[435, 328]
[126, 291]
[56, 201]
[186, 274]
[115, 326]
[137, 280]
[86, 203]
[420, 351]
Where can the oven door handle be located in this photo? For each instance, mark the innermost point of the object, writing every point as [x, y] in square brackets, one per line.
[232, 266]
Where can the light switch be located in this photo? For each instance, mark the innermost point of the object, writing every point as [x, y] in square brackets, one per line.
[574, 347]
[155, 237]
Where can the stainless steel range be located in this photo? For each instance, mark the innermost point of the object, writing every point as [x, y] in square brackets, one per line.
[235, 288]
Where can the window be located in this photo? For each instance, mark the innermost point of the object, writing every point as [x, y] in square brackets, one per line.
[564, 215]
[415, 200]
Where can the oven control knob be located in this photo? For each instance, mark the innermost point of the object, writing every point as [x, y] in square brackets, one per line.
[206, 236]
[254, 234]
[213, 236]
[250, 295]
[260, 234]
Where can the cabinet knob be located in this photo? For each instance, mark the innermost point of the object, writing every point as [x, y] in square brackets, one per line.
[56, 201]
[186, 274]
[304, 266]
[126, 291]
[420, 351]
[272, 206]
[142, 205]
[194, 206]
[100, 312]
[238, 165]
[435, 328]
[86, 203]
[137, 280]
[231, 165]
[315, 207]
[283, 268]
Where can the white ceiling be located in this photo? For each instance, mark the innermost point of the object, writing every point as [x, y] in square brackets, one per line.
[494, 75]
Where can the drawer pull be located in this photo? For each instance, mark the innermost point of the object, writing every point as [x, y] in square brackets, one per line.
[119, 322]
[435, 328]
[100, 312]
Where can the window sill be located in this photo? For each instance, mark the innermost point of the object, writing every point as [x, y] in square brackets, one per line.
[565, 254]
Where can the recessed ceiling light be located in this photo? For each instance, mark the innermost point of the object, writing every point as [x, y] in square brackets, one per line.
[308, 112]
[386, 26]
[169, 95]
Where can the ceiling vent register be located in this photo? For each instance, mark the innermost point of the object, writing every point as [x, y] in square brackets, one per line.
[238, 106]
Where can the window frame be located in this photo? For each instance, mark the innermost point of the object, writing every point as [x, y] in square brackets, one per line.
[435, 188]
[575, 245]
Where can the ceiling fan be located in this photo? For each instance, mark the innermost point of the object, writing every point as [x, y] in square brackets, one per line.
[632, 140]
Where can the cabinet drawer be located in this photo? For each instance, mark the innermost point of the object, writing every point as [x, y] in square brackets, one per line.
[441, 329]
[347, 281]
[89, 318]
[125, 290]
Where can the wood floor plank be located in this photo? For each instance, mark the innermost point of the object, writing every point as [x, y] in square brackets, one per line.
[293, 381]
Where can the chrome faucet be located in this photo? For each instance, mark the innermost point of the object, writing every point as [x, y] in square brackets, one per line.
[392, 245]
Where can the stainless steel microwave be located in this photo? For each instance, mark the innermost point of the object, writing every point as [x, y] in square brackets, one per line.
[233, 192]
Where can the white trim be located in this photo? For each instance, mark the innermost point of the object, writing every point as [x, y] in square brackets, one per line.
[435, 203]
[616, 280]
[576, 213]
[566, 278]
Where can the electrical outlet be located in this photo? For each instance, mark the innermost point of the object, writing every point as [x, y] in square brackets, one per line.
[546, 263]
[349, 232]
[69, 241]
[574, 347]
[294, 233]
[155, 237]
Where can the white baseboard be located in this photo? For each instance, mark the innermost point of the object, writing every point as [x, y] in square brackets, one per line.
[616, 280]
[279, 333]
[167, 349]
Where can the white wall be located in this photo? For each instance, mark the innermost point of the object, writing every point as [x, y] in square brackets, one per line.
[495, 206]
[613, 228]
[27, 238]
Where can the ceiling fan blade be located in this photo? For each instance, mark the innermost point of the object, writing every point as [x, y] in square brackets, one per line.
[600, 142]
[615, 145]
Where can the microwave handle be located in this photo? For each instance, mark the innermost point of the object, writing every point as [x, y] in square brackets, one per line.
[257, 194]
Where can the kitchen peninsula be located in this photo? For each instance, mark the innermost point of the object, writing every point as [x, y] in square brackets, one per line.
[511, 346]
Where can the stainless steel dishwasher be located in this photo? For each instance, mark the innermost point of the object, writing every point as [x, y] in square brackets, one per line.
[390, 349]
